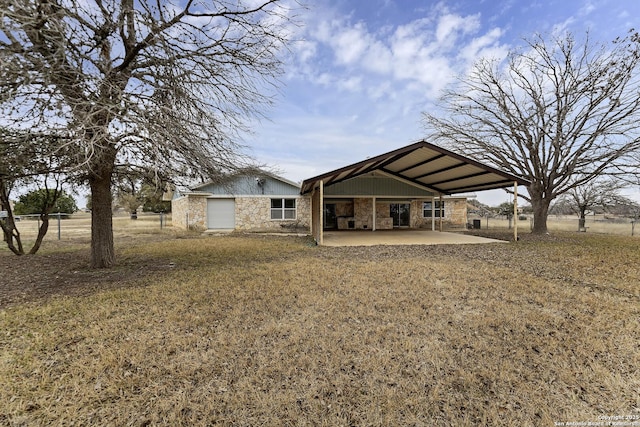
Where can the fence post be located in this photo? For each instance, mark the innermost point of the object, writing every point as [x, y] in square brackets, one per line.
[58, 225]
[161, 214]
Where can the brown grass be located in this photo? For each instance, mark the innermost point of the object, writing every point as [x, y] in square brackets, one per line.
[274, 331]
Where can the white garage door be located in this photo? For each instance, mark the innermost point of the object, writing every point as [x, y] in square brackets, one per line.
[221, 214]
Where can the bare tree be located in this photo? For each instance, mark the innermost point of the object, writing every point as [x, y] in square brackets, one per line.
[559, 113]
[134, 187]
[164, 84]
[603, 194]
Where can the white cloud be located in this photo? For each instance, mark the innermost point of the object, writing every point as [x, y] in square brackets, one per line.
[306, 50]
[586, 9]
[351, 84]
[408, 41]
[381, 90]
[324, 79]
[486, 46]
[360, 90]
[422, 55]
[562, 27]
[378, 58]
[450, 25]
[351, 43]
[329, 140]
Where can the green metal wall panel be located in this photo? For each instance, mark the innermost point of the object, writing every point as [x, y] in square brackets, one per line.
[375, 186]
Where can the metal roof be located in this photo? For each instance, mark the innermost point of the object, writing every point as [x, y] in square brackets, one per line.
[252, 172]
[425, 165]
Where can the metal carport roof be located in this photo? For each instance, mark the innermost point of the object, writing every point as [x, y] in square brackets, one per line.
[427, 166]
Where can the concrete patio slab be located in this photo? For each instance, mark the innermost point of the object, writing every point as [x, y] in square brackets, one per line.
[401, 237]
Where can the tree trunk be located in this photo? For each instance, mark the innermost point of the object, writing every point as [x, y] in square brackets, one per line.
[42, 231]
[12, 236]
[101, 171]
[540, 213]
[582, 218]
[102, 252]
[8, 225]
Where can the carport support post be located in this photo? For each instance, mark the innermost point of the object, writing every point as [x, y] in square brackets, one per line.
[515, 211]
[441, 212]
[433, 214]
[373, 228]
[321, 217]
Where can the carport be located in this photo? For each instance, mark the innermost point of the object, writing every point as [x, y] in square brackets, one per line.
[420, 171]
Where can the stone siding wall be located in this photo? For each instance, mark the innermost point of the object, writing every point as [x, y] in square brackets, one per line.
[179, 208]
[455, 214]
[344, 209]
[344, 214]
[362, 213]
[303, 206]
[458, 213]
[383, 216]
[417, 221]
[189, 212]
[251, 214]
[254, 214]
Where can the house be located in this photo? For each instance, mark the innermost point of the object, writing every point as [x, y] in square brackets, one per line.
[376, 201]
[417, 186]
[266, 202]
[407, 187]
[257, 201]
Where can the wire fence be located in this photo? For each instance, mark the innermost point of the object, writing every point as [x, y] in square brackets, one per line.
[78, 225]
[592, 224]
[67, 226]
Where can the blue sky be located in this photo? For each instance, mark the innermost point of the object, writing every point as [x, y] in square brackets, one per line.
[363, 71]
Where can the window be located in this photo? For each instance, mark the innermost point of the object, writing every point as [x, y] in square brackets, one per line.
[283, 208]
[426, 209]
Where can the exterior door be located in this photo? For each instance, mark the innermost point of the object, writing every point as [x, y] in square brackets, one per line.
[221, 214]
[330, 220]
[400, 212]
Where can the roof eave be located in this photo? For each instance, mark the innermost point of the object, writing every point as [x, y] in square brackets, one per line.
[378, 163]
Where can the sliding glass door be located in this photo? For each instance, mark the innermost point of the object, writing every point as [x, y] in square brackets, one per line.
[400, 212]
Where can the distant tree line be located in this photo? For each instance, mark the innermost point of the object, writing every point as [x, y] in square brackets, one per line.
[41, 200]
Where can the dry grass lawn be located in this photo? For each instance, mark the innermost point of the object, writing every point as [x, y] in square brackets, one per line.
[260, 330]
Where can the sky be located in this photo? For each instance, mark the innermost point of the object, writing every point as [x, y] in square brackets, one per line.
[360, 73]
